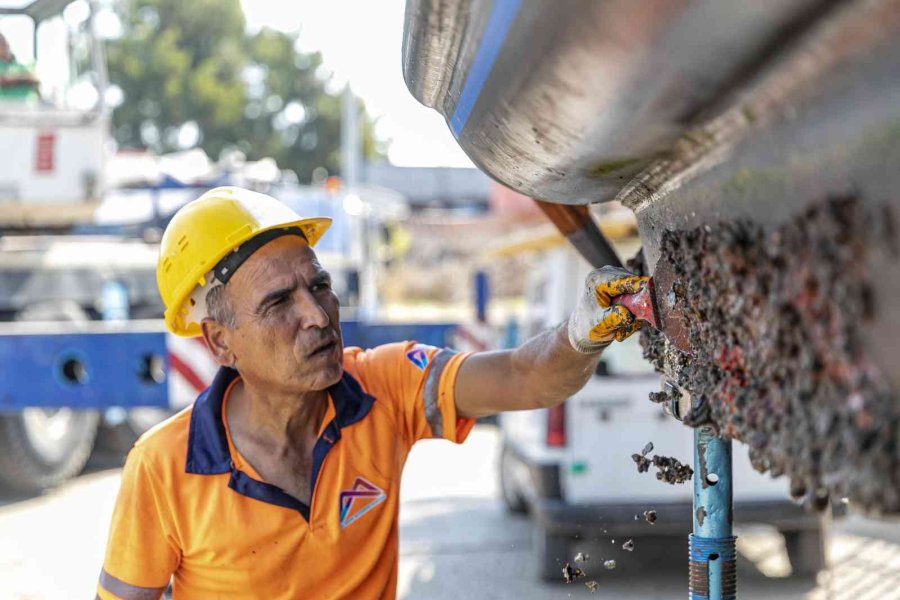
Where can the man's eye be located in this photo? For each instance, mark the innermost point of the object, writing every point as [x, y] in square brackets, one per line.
[321, 286]
[277, 302]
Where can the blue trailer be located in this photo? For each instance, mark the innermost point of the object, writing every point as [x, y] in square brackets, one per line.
[61, 382]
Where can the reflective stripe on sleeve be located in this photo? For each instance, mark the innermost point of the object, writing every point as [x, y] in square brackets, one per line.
[432, 390]
[126, 591]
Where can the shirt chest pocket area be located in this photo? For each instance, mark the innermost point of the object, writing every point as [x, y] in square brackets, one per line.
[361, 487]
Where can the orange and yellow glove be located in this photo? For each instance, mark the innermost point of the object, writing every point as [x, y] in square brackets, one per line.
[596, 321]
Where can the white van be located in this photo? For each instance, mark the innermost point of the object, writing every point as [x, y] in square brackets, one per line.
[571, 468]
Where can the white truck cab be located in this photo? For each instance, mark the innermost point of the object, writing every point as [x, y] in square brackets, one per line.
[53, 137]
[571, 468]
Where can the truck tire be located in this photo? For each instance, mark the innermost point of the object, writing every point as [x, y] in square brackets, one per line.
[118, 439]
[806, 551]
[40, 448]
[550, 553]
[512, 495]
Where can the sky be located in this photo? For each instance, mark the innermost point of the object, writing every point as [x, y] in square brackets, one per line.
[360, 42]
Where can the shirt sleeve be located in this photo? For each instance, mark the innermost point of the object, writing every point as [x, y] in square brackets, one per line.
[141, 554]
[419, 381]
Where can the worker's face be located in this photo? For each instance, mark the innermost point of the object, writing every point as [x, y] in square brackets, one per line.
[287, 335]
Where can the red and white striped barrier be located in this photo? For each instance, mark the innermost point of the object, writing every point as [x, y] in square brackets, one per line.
[473, 337]
[191, 369]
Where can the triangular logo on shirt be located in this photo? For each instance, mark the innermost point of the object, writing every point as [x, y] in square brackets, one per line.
[419, 356]
[358, 500]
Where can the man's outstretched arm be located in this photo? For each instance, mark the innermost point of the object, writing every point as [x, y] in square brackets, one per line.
[555, 364]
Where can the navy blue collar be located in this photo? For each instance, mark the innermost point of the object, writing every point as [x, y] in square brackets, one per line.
[207, 448]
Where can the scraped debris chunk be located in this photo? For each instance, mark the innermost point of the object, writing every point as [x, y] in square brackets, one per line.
[571, 573]
[628, 545]
[609, 564]
[642, 462]
[582, 557]
[669, 469]
[592, 585]
[650, 516]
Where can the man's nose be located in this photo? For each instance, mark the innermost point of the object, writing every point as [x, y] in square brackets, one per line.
[312, 313]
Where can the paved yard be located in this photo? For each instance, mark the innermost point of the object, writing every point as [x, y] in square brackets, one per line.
[457, 542]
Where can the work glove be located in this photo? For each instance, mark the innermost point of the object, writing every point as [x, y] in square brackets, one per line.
[596, 321]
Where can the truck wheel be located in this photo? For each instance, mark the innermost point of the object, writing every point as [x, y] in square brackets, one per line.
[512, 496]
[550, 552]
[118, 439]
[41, 448]
[806, 551]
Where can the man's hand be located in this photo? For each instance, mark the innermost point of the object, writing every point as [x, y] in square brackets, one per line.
[596, 322]
[555, 364]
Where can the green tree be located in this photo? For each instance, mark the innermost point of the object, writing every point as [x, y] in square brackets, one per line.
[183, 62]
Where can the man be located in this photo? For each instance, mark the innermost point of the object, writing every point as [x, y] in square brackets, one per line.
[17, 82]
[282, 480]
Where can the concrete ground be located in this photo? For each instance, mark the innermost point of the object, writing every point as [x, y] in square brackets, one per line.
[456, 542]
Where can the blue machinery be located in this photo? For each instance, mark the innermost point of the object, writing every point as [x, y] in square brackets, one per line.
[713, 561]
[712, 555]
[97, 365]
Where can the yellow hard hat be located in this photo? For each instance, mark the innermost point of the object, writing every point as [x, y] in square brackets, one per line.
[204, 232]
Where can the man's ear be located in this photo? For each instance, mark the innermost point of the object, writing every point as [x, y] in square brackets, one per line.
[217, 340]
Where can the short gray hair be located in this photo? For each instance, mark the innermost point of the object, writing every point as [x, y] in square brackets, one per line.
[218, 307]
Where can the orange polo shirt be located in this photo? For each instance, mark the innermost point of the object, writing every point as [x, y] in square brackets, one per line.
[190, 506]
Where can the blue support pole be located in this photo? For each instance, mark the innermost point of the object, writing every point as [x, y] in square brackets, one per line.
[482, 295]
[712, 545]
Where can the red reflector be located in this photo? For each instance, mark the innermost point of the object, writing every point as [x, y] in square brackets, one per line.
[43, 161]
[556, 426]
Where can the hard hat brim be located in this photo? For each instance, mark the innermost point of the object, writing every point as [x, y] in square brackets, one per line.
[313, 229]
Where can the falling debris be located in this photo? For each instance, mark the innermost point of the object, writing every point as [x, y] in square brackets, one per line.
[642, 462]
[582, 557]
[669, 469]
[650, 516]
[592, 585]
[571, 573]
[628, 545]
[609, 564]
